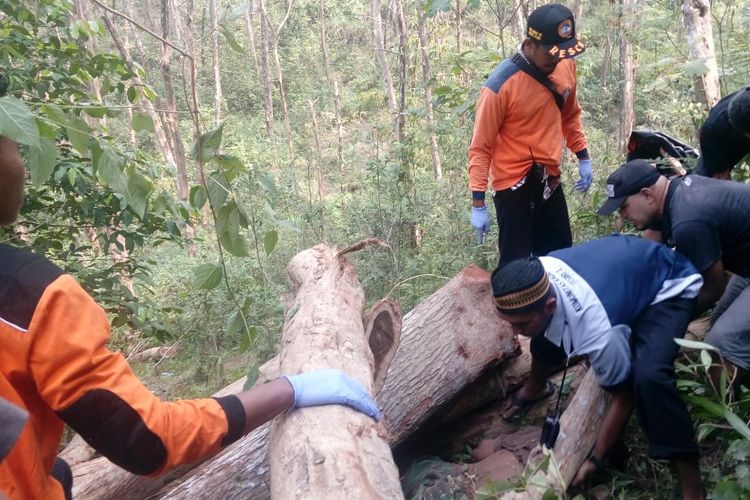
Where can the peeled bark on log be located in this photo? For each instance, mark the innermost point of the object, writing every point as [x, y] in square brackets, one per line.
[77, 451]
[447, 342]
[331, 451]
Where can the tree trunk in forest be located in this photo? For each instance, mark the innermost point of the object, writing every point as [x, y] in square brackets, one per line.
[403, 38]
[280, 80]
[319, 149]
[251, 38]
[459, 28]
[700, 41]
[385, 71]
[334, 87]
[171, 119]
[265, 52]
[518, 24]
[83, 14]
[578, 15]
[218, 98]
[331, 451]
[434, 151]
[447, 342]
[125, 53]
[628, 15]
[579, 428]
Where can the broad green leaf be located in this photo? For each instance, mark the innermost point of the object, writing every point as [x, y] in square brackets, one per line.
[96, 111]
[269, 241]
[231, 164]
[247, 340]
[142, 123]
[54, 113]
[235, 13]
[207, 276]
[232, 41]
[737, 423]
[17, 122]
[42, 160]
[435, 6]
[198, 196]
[252, 376]
[228, 227]
[148, 92]
[235, 324]
[207, 145]
[132, 94]
[139, 189]
[267, 183]
[714, 409]
[79, 134]
[109, 169]
[218, 189]
[694, 344]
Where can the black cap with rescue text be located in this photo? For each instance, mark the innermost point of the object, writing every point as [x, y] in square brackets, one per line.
[554, 27]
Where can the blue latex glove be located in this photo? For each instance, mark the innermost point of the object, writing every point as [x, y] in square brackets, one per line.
[325, 387]
[587, 176]
[481, 222]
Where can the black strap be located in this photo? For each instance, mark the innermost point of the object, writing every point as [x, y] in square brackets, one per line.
[540, 77]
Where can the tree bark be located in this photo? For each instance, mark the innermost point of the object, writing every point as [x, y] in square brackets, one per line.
[627, 73]
[319, 149]
[280, 80]
[218, 98]
[331, 451]
[265, 51]
[403, 38]
[251, 38]
[427, 82]
[171, 120]
[697, 17]
[578, 14]
[385, 71]
[518, 25]
[459, 28]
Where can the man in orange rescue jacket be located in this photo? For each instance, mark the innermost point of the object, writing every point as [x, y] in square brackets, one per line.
[526, 108]
[55, 366]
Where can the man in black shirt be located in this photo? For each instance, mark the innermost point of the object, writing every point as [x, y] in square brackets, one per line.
[725, 135]
[708, 221]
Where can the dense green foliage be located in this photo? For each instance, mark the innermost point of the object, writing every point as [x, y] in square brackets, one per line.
[108, 212]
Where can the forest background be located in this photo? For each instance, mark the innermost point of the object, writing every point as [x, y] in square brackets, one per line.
[182, 151]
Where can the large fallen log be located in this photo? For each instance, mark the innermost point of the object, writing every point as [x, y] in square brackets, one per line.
[447, 342]
[333, 452]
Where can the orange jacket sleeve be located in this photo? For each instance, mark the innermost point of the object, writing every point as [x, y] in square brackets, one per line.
[489, 117]
[94, 390]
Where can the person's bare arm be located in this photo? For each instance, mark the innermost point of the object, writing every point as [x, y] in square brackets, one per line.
[264, 402]
[12, 178]
[714, 282]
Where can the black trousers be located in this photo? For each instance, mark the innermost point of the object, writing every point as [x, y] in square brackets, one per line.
[61, 471]
[661, 412]
[528, 224]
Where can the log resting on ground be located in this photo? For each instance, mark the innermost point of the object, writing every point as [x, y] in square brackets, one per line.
[447, 342]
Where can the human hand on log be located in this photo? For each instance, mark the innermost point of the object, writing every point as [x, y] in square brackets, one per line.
[324, 387]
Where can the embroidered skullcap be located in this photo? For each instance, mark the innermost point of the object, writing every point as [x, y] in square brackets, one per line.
[520, 285]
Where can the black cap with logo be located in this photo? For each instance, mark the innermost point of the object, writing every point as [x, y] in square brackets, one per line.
[626, 181]
[554, 27]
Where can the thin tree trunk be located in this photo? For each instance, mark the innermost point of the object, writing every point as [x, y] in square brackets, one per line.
[280, 79]
[218, 98]
[251, 38]
[578, 14]
[83, 14]
[385, 71]
[403, 38]
[334, 86]
[606, 61]
[697, 17]
[459, 28]
[321, 187]
[172, 121]
[628, 14]
[266, 77]
[434, 150]
[125, 53]
[517, 23]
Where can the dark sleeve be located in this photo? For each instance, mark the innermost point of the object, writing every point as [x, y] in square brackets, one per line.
[699, 242]
[716, 151]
